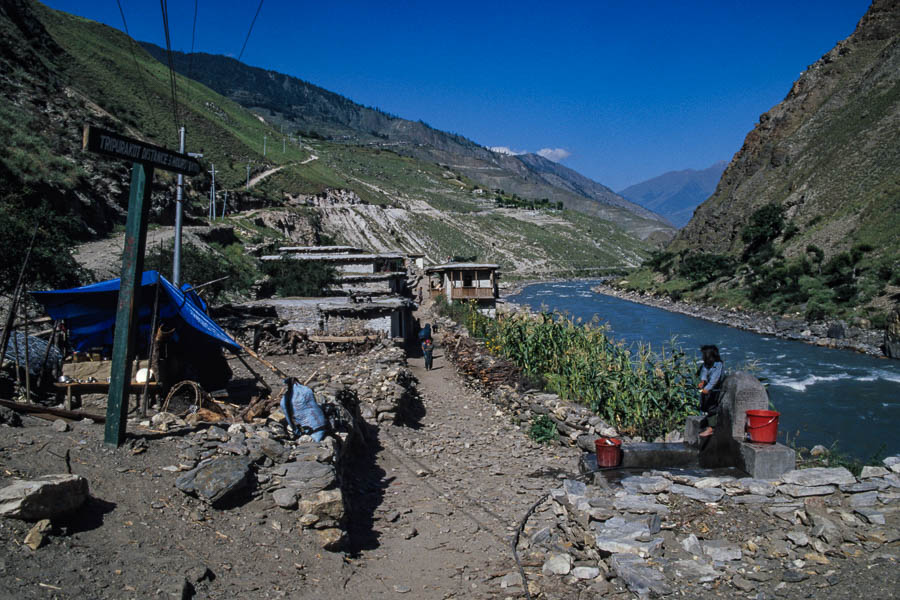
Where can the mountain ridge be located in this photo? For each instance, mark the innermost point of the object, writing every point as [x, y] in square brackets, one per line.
[675, 194]
[287, 100]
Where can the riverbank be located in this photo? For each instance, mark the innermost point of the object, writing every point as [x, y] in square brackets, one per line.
[828, 334]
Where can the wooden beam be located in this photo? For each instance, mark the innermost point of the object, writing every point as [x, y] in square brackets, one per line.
[38, 410]
[345, 339]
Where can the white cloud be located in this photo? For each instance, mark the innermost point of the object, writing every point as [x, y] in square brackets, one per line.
[505, 150]
[554, 154]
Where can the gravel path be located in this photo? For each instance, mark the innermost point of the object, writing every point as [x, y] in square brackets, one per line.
[446, 495]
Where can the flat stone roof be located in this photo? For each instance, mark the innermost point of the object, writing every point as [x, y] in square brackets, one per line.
[346, 258]
[322, 249]
[463, 266]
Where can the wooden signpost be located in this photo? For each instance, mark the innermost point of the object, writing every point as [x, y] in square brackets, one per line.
[146, 157]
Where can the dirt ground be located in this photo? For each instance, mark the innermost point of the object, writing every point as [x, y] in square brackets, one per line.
[432, 504]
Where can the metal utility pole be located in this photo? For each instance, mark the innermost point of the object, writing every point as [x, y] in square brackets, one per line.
[282, 145]
[224, 204]
[212, 194]
[248, 175]
[176, 253]
[264, 144]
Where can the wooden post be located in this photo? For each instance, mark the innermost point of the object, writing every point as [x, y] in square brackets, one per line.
[11, 312]
[152, 349]
[47, 351]
[126, 310]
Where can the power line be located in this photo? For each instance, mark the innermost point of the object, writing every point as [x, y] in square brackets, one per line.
[251, 29]
[165, 17]
[137, 67]
[193, 37]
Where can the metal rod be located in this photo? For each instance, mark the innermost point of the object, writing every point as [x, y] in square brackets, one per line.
[27, 357]
[176, 255]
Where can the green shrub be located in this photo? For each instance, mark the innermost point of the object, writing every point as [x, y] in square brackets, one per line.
[703, 267]
[51, 263]
[543, 430]
[660, 261]
[300, 278]
[766, 224]
[200, 266]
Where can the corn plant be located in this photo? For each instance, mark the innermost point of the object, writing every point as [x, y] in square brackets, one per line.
[636, 389]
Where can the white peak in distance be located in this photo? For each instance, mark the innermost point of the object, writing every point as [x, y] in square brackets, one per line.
[553, 154]
[505, 150]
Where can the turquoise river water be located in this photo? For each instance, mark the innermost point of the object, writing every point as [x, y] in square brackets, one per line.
[825, 396]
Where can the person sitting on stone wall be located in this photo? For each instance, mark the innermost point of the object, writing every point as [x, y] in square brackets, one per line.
[711, 377]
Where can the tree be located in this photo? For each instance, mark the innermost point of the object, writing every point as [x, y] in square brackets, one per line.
[299, 278]
[52, 262]
[766, 224]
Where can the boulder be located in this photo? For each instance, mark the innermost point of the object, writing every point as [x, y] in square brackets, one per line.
[216, 480]
[9, 417]
[327, 505]
[44, 498]
[892, 334]
[308, 476]
[557, 564]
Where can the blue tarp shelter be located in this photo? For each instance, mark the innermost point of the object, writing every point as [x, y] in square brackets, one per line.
[90, 315]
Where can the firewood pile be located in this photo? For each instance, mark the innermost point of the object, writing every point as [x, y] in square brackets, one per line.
[479, 368]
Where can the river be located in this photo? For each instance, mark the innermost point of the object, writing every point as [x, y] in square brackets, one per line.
[836, 398]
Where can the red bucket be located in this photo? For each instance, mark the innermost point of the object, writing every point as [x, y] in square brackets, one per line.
[762, 425]
[609, 452]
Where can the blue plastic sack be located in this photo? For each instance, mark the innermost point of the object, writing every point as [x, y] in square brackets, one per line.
[302, 412]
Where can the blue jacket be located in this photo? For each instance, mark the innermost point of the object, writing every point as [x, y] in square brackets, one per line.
[712, 375]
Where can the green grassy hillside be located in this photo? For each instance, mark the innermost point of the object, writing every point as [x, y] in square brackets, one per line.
[66, 72]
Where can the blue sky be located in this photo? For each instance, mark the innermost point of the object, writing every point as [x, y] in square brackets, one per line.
[628, 90]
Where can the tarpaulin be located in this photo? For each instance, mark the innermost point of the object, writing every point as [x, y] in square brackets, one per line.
[89, 313]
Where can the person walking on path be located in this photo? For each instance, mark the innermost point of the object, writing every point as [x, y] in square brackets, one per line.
[427, 344]
[710, 387]
[428, 352]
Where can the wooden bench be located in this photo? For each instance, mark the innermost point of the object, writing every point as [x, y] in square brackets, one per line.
[99, 387]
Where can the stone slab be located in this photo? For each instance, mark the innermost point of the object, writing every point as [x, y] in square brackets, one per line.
[649, 455]
[701, 495]
[646, 485]
[819, 476]
[765, 461]
[639, 504]
[804, 491]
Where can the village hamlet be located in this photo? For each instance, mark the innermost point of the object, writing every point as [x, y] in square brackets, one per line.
[261, 340]
[283, 447]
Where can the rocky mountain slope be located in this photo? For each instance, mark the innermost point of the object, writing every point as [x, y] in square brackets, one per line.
[828, 153]
[299, 105]
[676, 194]
[804, 220]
